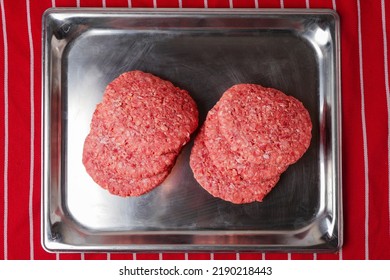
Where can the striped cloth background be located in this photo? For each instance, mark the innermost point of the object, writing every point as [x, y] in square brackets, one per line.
[366, 122]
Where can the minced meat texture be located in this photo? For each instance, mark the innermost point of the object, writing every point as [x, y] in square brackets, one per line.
[110, 151]
[229, 162]
[264, 125]
[218, 184]
[157, 116]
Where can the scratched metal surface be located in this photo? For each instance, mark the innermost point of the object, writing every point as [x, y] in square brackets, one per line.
[204, 52]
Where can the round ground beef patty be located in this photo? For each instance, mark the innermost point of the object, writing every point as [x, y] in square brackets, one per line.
[153, 112]
[249, 138]
[264, 125]
[137, 132]
[220, 185]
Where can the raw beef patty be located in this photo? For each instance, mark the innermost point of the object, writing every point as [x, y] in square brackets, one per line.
[251, 136]
[136, 133]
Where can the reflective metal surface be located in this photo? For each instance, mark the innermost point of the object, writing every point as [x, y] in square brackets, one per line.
[205, 52]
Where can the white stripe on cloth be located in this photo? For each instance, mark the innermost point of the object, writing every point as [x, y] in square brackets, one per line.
[180, 4]
[364, 131]
[5, 187]
[104, 3]
[334, 4]
[129, 3]
[154, 3]
[307, 4]
[231, 6]
[32, 132]
[78, 3]
[386, 68]
[282, 4]
[256, 4]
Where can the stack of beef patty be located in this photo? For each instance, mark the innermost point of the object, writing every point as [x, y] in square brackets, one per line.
[136, 133]
[248, 140]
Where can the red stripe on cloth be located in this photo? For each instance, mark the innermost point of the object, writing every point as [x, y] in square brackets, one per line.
[148, 256]
[225, 256]
[218, 4]
[250, 256]
[353, 162]
[269, 4]
[121, 256]
[294, 3]
[70, 256]
[117, 3]
[173, 256]
[19, 132]
[142, 3]
[385, 11]
[167, 4]
[65, 3]
[244, 4]
[3, 165]
[199, 256]
[95, 256]
[376, 108]
[327, 4]
[302, 256]
[91, 3]
[193, 3]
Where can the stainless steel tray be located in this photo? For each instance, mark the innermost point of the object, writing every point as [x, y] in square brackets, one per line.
[205, 52]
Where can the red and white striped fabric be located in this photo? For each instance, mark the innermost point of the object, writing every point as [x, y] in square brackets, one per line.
[366, 124]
